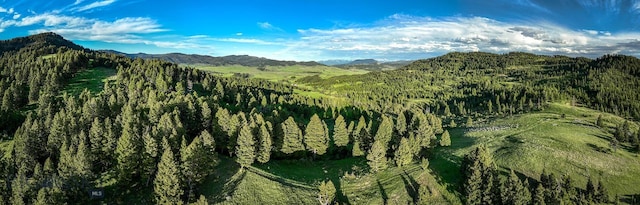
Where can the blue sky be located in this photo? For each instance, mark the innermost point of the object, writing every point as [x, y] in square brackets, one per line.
[334, 29]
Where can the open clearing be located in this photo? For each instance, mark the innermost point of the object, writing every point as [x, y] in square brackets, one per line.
[92, 79]
[281, 73]
[532, 142]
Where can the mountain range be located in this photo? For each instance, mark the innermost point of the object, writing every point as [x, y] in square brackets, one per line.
[244, 60]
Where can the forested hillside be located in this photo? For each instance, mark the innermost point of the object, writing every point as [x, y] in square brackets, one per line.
[156, 132]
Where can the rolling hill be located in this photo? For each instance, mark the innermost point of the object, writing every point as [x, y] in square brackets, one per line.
[75, 121]
[193, 59]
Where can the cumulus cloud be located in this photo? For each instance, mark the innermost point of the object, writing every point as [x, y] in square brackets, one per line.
[80, 28]
[93, 5]
[402, 36]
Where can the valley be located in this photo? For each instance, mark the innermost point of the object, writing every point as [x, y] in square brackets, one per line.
[152, 131]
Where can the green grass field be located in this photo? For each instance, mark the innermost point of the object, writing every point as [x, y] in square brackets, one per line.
[532, 142]
[281, 73]
[92, 79]
[296, 181]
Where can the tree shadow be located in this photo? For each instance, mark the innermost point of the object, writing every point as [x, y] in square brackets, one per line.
[220, 186]
[411, 185]
[385, 198]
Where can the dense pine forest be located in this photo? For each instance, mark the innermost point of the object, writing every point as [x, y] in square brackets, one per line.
[155, 132]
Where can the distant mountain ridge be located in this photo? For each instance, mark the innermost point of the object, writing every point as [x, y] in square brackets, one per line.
[244, 60]
[371, 64]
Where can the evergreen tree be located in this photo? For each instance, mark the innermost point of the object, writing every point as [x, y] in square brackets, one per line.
[316, 136]
[401, 124]
[167, 184]
[149, 158]
[591, 190]
[356, 151]
[197, 162]
[469, 122]
[326, 192]
[404, 153]
[264, 151]
[245, 150]
[376, 158]
[478, 171]
[201, 201]
[602, 193]
[515, 192]
[385, 132]
[340, 132]
[473, 183]
[568, 190]
[445, 140]
[292, 137]
[599, 122]
[538, 198]
[129, 146]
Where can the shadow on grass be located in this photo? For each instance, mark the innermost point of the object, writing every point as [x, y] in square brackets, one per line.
[411, 185]
[445, 165]
[221, 185]
[383, 193]
[312, 172]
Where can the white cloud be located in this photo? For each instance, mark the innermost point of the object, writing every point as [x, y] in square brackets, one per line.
[401, 36]
[94, 5]
[268, 26]
[77, 2]
[3, 10]
[16, 16]
[238, 34]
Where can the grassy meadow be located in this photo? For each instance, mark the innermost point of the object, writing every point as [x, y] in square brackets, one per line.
[92, 79]
[529, 143]
[281, 73]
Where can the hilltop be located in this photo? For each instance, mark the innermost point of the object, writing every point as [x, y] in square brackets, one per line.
[43, 40]
[144, 131]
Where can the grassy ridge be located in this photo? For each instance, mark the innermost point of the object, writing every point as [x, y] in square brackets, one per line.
[532, 142]
[281, 73]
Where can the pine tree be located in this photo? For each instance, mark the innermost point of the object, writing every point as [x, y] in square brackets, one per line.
[599, 122]
[356, 151]
[167, 184]
[385, 131]
[149, 158]
[404, 153]
[316, 136]
[376, 158]
[478, 172]
[292, 137]
[401, 124]
[264, 153]
[245, 150]
[128, 151]
[515, 192]
[445, 140]
[538, 198]
[452, 124]
[326, 192]
[197, 162]
[340, 132]
[603, 194]
[473, 183]
[568, 190]
[591, 191]
[201, 201]
[469, 122]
